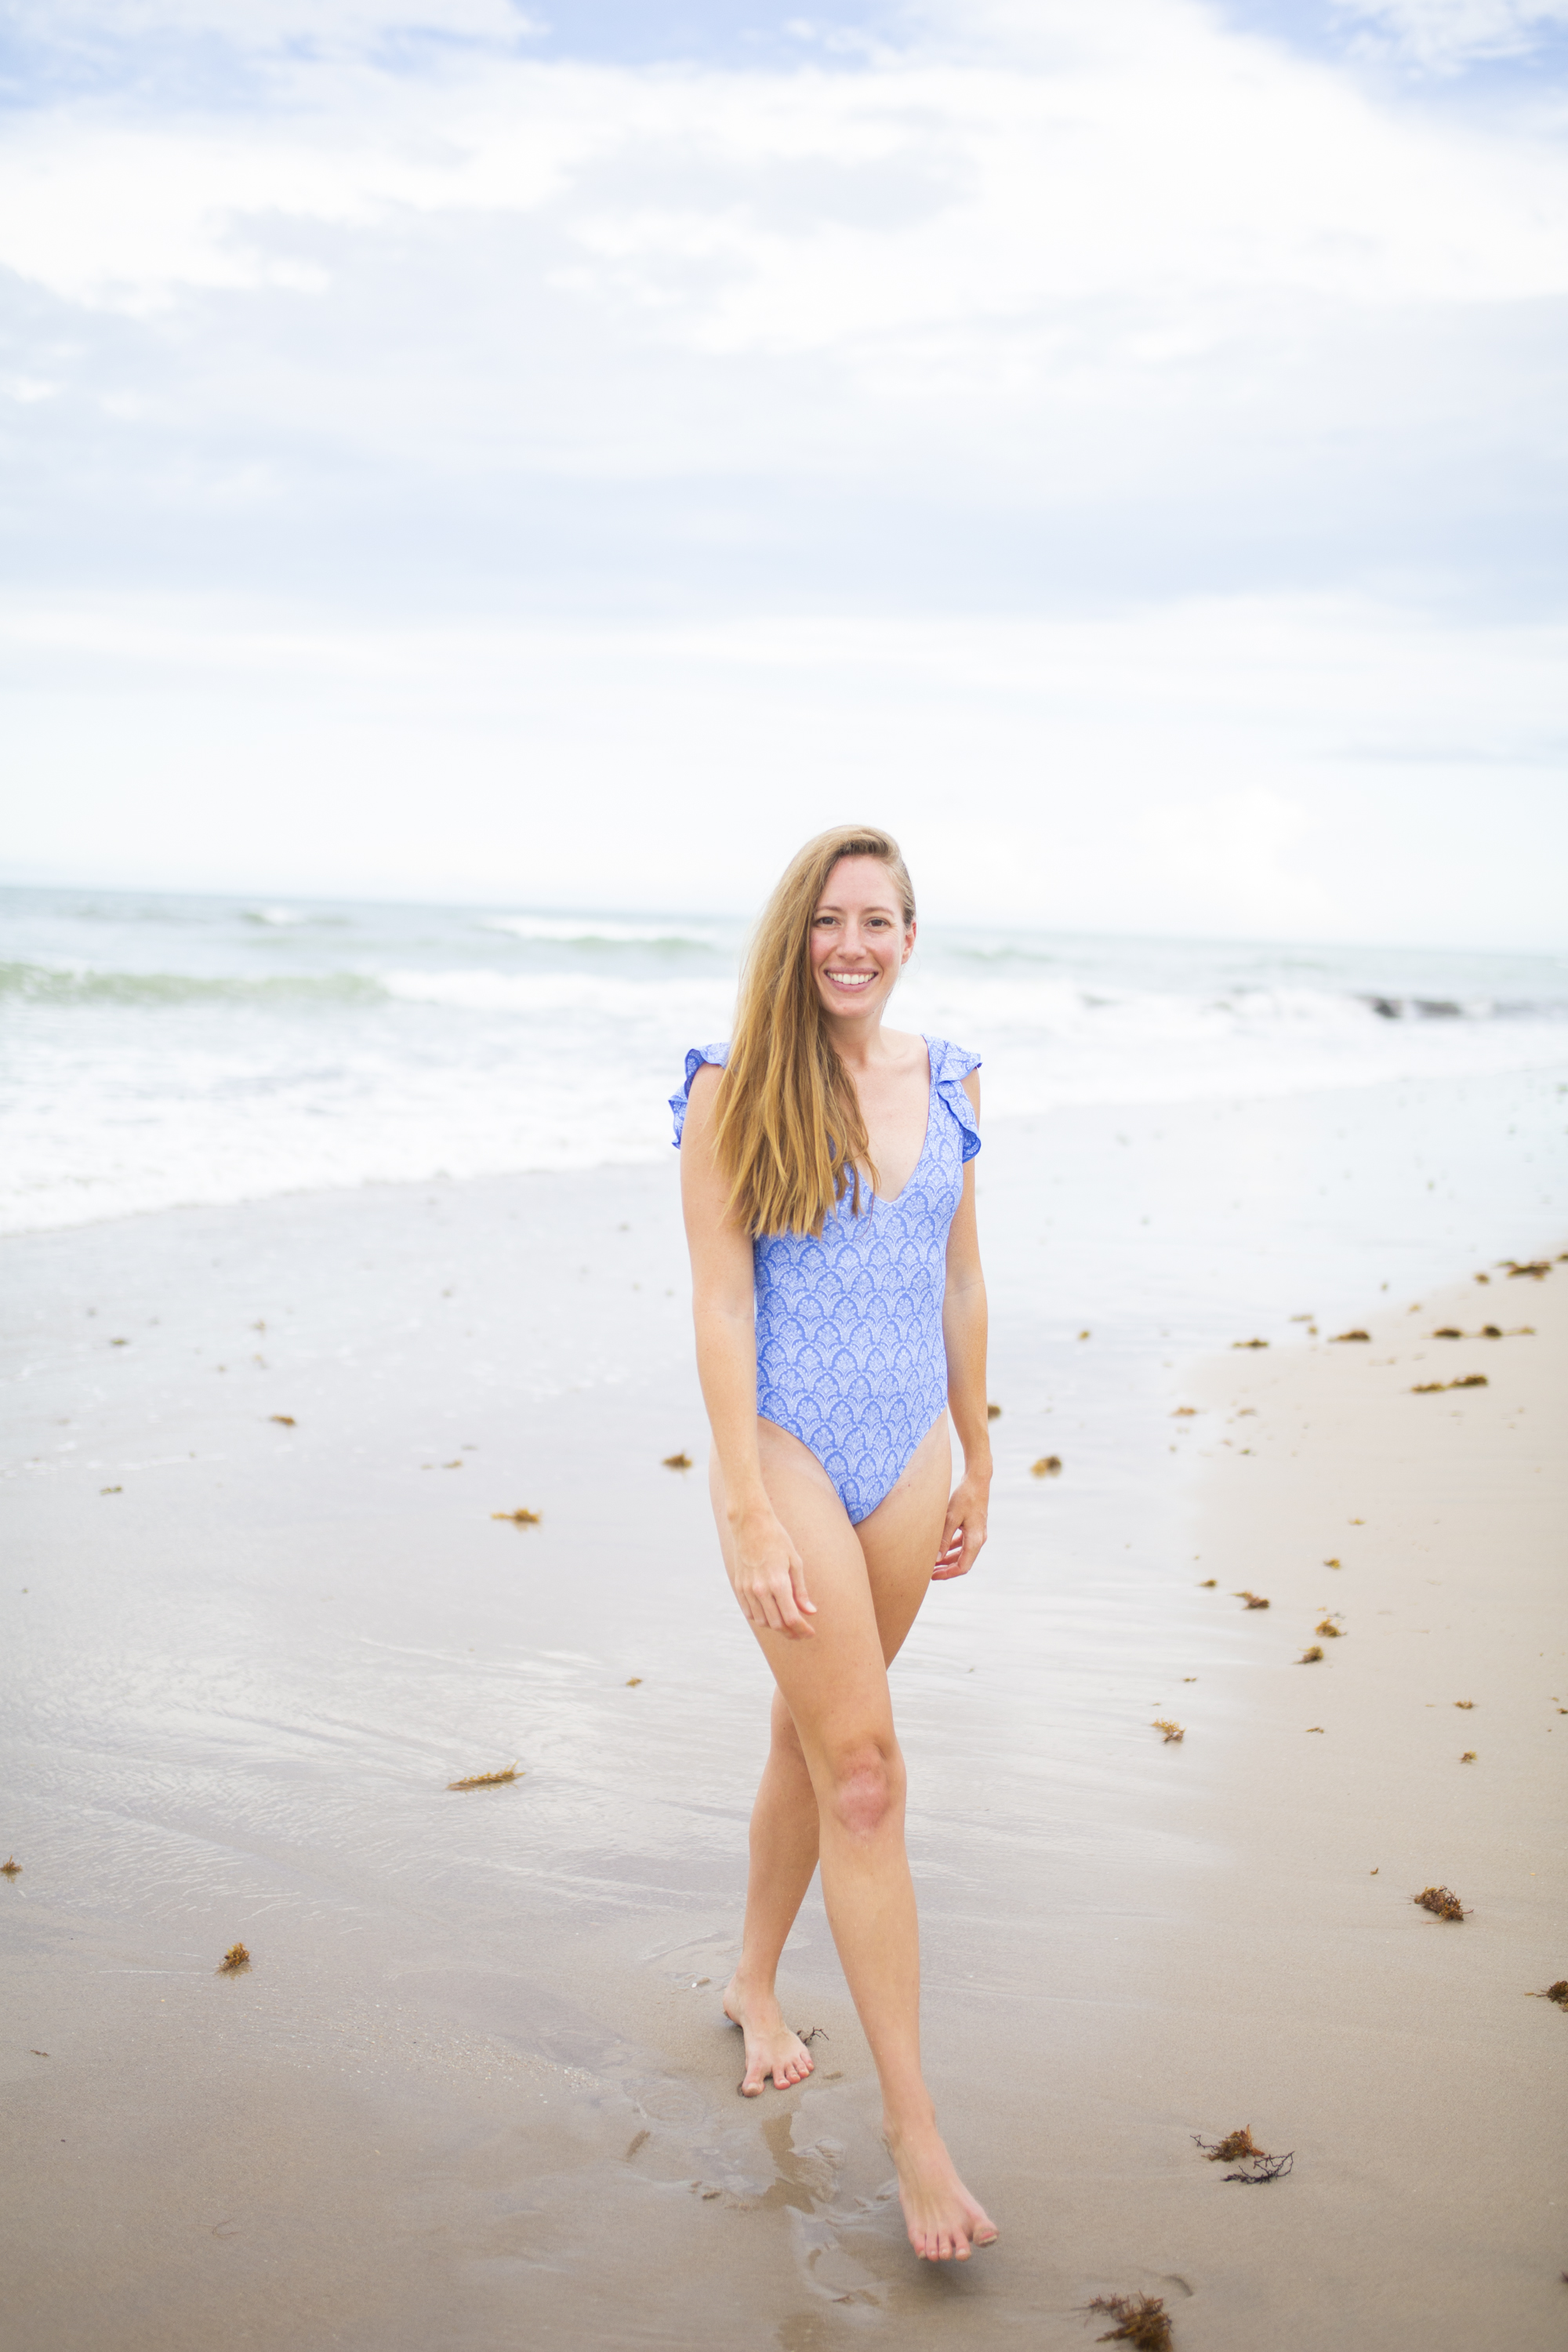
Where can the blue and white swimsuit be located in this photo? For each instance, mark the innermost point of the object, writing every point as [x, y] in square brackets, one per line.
[851, 1357]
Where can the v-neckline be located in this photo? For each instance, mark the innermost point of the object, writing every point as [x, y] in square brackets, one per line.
[925, 1139]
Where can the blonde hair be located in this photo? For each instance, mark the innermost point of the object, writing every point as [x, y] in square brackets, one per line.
[789, 1132]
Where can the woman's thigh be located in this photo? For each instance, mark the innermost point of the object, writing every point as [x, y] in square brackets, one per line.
[868, 1581]
[901, 1537]
[835, 1681]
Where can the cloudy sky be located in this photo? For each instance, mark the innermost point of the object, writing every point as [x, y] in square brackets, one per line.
[566, 453]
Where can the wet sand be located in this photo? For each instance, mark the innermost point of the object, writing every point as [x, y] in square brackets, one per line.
[473, 2088]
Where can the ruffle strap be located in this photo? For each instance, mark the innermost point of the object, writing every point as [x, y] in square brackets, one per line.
[696, 1056]
[950, 1065]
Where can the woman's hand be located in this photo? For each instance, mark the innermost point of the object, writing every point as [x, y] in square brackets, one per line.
[769, 1575]
[963, 1531]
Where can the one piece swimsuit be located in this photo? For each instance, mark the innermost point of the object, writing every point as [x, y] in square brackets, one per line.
[850, 1356]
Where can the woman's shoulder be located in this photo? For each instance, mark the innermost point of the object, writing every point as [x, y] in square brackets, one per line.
[697, 1058]
[949, 1061]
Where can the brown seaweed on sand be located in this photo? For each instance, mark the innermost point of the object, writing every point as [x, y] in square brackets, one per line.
[1049, 1465]
[486, 1779]
[1465, 1705]
[1311, 1657]
[1538, 1269]
[11, 1869]
[1436, 1388]
[1447, 1332]
[1340, 1337]
[284, 1419]
[1250, 1343]
[676, 1461]
[520, 1517]
[233, 1961]
[1240, 2148]
[993, 1413]
[1557, 1992]
[1140, 2319]
[1253, 1600]
[1469, 1757]
[1172, 1731]
[1441, 1901]
[1208, 1583]
[1333, 1632]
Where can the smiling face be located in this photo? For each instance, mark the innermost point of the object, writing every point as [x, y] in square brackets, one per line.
[860, 940]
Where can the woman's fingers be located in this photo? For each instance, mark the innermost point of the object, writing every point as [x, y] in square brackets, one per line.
[958, 1553]
[779, 1602]
[800, 1597]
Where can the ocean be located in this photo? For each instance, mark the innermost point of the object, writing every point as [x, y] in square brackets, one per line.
[158, 1050]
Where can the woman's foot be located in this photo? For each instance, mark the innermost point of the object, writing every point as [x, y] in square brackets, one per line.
[772, 2050]
[943, 2221]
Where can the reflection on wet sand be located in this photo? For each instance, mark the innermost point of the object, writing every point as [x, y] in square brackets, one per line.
[476, 2078]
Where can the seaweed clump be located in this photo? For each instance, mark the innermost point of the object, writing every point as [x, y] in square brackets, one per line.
[520, 1518]
[1253, 1600]
[676, 1461]
[1172, 1731]
[1049, 1465]
[1311, 1656]
[1340, 1337]
[1141, 2320]
[1330, 1630]
[233, 1961]
[485, 1779]
[10, 1869]
[1239, 2148]
[1557, 1992]
[1441, 1901]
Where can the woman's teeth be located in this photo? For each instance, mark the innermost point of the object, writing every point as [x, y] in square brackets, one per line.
[851, 979]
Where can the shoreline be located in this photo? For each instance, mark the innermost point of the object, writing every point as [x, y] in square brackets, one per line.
[475, 2049]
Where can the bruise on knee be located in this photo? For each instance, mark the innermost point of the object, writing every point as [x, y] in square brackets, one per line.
[866, 1786]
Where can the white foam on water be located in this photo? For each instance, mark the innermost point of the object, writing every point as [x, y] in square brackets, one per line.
[158, 1052]
[584, 930]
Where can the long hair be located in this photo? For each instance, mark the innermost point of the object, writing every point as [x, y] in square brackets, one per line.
[789, 1132]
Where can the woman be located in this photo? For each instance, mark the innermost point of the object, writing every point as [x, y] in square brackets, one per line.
[840, 1315]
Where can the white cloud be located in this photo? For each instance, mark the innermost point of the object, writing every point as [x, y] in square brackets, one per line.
[954, 383]
[1322, 767]
[1446, 35]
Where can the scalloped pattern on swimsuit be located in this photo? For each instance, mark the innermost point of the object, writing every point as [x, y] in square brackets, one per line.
[850, 1357]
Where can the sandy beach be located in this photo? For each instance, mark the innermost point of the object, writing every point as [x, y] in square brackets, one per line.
[473, 2086]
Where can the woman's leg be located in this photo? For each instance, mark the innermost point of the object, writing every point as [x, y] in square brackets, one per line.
[835, 1689]
[783, 1860]
[784, 1832]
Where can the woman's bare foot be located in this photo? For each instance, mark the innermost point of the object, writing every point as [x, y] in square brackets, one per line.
[771, 2048]
[943, 2221]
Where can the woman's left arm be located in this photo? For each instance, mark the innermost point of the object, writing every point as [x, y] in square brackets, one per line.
[964, 1334]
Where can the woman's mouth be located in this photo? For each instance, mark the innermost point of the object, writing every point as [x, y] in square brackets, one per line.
[851, 979]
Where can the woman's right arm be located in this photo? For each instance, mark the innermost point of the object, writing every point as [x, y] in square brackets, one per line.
[765, 1570]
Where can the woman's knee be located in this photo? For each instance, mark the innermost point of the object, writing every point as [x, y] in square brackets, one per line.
[866, 1784]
